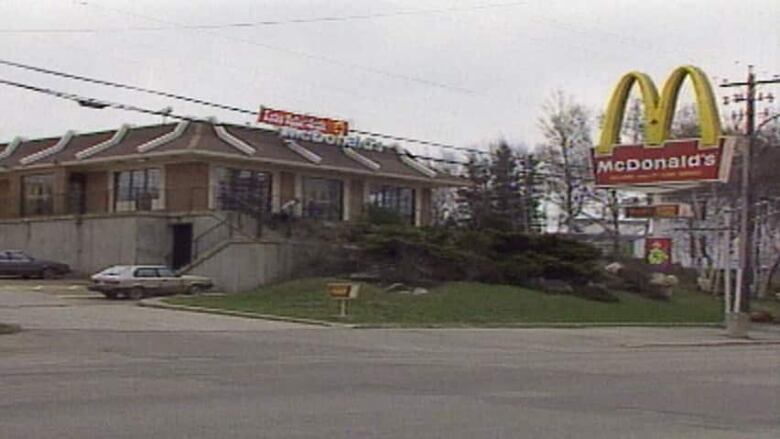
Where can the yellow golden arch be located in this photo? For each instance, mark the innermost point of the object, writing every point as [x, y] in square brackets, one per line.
[660, 110]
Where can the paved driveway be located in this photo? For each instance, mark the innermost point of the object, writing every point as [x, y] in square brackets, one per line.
[94, 368]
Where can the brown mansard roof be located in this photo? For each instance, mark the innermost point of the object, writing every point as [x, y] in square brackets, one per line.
[202, 138]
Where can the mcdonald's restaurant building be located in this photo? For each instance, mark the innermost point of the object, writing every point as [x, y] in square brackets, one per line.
[191, 195]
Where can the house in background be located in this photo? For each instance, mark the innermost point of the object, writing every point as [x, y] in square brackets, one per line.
[169, 194]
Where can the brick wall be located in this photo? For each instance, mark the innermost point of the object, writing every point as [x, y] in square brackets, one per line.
[5, 197]
[97, 195]
[186, 187]
[287, 190]
[356, 201]
[426, 209]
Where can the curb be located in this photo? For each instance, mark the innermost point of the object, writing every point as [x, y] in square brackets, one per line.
[157, 302]
[713, 343]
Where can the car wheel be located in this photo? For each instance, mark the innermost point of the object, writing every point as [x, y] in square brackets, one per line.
[195, 289]
[136, 294]
[48, 273]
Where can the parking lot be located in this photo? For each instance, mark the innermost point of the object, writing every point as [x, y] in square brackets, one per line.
[68, 305]
[88, 367]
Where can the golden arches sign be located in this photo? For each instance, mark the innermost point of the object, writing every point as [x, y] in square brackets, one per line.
[659, 110]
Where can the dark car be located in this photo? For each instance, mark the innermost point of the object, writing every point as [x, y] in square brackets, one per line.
[17, 263]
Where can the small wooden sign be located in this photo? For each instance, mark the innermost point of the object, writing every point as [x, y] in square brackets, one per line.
[343, 290]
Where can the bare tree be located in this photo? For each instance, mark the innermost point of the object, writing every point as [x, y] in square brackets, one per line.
[566, 126]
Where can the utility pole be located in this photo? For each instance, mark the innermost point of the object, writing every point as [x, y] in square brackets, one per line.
[746, 215]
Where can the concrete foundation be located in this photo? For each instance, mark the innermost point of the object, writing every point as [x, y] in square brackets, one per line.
[737, 325]
[91, 243]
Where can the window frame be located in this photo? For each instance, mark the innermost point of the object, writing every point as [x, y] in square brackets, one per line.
[391, 196]
[224, 178]
[130, 196]
[44, 202]
[335, 211]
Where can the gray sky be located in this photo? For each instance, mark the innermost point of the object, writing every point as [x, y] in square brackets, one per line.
[463, 72]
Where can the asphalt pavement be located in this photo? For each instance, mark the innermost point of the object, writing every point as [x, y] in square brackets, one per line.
[88, 367]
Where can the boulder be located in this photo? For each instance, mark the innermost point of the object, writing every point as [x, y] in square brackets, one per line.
[555, 286]
[665, 283]
[614, 268]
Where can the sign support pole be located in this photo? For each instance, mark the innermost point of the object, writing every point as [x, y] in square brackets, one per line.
[727, 265]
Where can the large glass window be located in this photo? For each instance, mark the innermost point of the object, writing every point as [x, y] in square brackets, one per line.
[322, 198]
[242, 190]
[138, 189]
[38, 194]
[395, 198]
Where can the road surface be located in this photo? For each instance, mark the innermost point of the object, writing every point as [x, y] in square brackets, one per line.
[88, 367]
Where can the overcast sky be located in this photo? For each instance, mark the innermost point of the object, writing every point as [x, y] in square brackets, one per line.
[461, 72]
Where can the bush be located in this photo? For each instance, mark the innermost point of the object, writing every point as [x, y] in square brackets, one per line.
[437, 254]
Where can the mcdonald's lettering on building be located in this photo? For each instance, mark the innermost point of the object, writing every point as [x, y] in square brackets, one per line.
[661, 161]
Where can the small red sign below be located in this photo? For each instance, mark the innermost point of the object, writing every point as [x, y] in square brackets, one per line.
[676, 162]
[658, 251]
[303, 122]
[675, 210]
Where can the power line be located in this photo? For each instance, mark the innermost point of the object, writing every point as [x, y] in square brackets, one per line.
[91, 102]
[325, 59]
[263, 23]
[198, 101]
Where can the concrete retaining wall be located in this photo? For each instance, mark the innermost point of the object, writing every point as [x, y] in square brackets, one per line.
[241, 266]
[89, 244]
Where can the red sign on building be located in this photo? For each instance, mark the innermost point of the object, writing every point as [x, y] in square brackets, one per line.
[675, 162]
[658, 251]
[303, 122]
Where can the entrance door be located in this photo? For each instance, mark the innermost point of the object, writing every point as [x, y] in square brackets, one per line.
[182, 245]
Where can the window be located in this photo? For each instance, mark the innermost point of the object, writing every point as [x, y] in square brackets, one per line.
[322, 198]
[242, 190]
[137, 190]
[19, 257]
[146, 272]
[165, 272]
[395, 198]
[38, 194]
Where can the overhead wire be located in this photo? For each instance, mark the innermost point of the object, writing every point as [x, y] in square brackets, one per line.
[263, 23]
[90, 102]
[303, 54]
[206, 103]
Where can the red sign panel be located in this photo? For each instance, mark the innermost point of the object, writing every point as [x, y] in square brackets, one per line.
[303, 122]
[656, 211]
[679, 161]
[658, 251]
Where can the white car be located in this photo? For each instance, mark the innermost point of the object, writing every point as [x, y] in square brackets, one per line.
[138, 281]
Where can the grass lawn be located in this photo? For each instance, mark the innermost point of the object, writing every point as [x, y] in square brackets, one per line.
[462, 304]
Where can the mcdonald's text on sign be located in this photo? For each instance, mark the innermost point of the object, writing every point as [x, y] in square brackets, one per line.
[681, 161]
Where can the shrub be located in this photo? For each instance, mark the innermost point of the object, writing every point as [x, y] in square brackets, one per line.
[439, 254]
